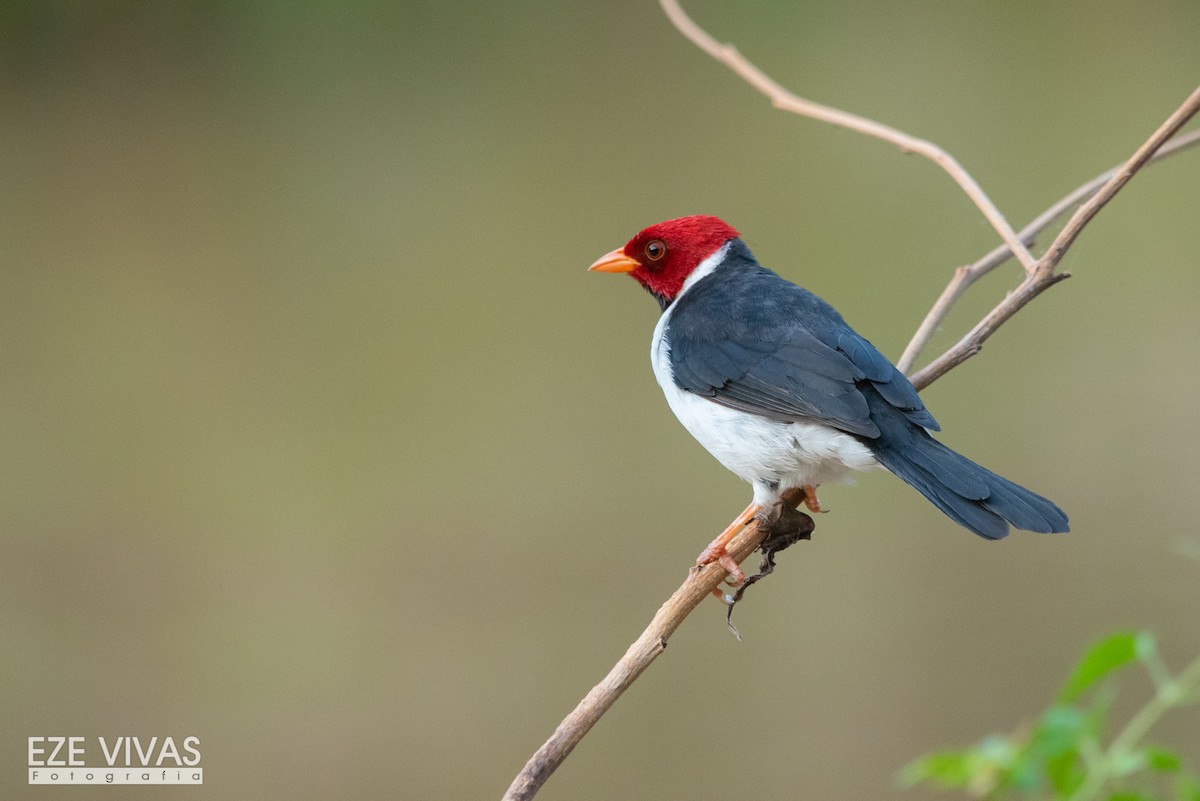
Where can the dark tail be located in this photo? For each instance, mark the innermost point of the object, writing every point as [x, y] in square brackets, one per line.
[972, 496]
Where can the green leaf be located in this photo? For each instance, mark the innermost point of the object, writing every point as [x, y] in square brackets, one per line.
[1053, 748]
[1066, 772]
[1103, 658]
[947, 768]
[1162, 760]
[1060, 729]
[974, 768]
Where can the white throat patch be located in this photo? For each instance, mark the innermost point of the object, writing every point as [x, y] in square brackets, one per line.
[704, 269]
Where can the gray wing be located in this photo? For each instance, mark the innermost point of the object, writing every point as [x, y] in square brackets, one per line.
[790, 358]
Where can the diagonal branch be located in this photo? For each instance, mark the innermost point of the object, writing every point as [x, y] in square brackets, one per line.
[1043, 276]
[967, 275]
[783, 99]
[645, 649]
[1084, 214]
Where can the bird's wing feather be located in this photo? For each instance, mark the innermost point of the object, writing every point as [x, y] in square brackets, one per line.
[789, 358]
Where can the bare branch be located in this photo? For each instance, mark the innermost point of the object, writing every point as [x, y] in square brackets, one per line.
[1084, 214]
[967, 275]
[1043, 275]
[785, 100]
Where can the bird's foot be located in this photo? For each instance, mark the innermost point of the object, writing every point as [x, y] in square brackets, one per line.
[736, 577]
[785, 526]
[811, 500]
[715, 552]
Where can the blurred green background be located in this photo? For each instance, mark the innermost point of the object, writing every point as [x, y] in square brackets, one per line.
[320, 444]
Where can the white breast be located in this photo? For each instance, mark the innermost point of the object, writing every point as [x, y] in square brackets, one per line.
[772, 456]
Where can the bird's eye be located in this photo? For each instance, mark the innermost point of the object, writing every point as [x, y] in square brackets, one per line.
[655, 249]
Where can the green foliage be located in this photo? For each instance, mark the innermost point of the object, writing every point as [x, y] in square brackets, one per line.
[1063, 756]
[1105, 656]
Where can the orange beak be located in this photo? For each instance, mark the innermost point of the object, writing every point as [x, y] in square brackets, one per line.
[615, 262]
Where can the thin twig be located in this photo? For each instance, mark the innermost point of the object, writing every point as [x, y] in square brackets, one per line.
[783, 99]
[1084, 214]
[1043, 276]
[700, 582]
[967, 275]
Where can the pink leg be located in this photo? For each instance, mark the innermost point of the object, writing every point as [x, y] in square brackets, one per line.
[715, 552]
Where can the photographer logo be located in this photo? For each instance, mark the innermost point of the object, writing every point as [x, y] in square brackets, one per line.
[115, 760]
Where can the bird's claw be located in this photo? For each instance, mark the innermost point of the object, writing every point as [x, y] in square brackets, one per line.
[736, 577]
[812, 501]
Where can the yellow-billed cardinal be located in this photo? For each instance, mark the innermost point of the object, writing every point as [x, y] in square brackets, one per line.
[774, 383]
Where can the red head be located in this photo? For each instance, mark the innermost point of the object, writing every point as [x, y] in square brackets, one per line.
[662, 256]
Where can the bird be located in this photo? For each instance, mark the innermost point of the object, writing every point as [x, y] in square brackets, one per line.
[776, 385]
